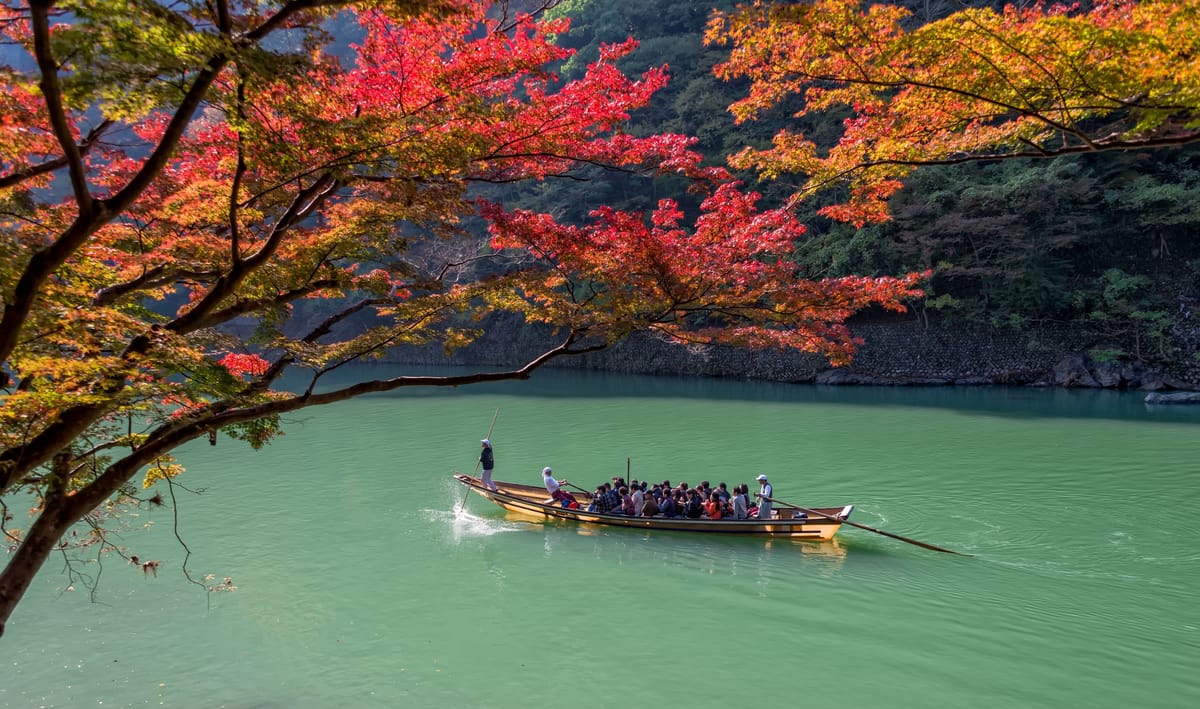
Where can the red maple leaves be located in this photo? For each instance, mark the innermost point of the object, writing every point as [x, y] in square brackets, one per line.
[726, 280]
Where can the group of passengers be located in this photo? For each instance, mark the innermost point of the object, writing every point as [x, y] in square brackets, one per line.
[643, 499]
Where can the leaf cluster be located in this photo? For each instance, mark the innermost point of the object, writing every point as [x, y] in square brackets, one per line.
[979, 84]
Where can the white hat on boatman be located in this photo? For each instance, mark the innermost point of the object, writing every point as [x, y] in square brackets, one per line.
[546, 471]
[486, 442]
[761, 478]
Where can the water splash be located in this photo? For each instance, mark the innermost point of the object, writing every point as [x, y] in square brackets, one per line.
[462, 523]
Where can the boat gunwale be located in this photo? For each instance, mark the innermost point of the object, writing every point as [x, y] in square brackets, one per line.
[821, 529]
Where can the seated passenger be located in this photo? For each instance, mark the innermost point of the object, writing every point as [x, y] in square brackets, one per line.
[741, 503]
[650, 507]
[669, 508]
[713, 507]
[554, 487]
[627, 503]
[602, 502]
[694, 507]
[614, 499]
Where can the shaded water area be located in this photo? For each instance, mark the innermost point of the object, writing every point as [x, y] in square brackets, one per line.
[364, 581]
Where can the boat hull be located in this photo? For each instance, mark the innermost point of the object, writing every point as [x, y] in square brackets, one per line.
[533, 503]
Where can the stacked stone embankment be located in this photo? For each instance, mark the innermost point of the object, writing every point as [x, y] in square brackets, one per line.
[899, 353]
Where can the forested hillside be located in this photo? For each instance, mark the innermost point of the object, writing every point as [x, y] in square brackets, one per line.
[1106, 240]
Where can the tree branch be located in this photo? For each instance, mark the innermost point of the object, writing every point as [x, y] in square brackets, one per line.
[305, 201]
[56, 111]
[16, 178]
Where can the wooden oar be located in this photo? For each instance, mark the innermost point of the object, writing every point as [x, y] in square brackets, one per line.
[863, 526]
[586, 492]
[476, 469]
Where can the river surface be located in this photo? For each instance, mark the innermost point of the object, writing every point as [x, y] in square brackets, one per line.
[362, 579]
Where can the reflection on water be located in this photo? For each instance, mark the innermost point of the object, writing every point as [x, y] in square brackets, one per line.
[1018, 402]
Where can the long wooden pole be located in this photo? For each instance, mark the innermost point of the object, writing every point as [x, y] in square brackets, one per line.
[476, 469]
[584, 491]
[869, 529]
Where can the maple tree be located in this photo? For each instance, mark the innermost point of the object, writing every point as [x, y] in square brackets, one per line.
[979, 84]
[169, 171]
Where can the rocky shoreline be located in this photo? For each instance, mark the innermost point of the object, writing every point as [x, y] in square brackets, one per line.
[896, 353]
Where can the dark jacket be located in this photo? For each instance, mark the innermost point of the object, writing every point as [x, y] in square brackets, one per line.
[604, 503]
[486, 460]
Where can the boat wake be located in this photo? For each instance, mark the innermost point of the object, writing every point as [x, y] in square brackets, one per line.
[463, 524]
[466, 525]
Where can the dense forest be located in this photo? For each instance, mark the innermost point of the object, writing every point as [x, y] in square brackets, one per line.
[1105, 240]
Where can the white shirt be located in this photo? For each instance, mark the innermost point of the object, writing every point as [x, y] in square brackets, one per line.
[551, 484]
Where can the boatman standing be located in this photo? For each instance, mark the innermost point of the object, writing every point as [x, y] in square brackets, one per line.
[764, 495]
[488, 462]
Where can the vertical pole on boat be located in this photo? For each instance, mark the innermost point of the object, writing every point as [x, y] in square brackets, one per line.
[627, 470]
[476, 469]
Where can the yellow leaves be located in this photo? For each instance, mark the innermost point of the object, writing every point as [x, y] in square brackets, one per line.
[790, 153]
[508, 299]
[197, 204]
[165, 468]
[130, 440]
[455, 338]
[71, 377]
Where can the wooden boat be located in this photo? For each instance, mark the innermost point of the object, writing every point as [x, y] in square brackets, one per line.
[534, 502]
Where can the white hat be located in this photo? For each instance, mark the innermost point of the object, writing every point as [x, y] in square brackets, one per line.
[546, 471]
[761, 478]
[486, 442]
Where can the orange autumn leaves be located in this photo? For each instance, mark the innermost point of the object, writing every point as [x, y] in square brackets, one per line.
[979, 84]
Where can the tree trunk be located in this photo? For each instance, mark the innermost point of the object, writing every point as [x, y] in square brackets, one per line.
[35, 548]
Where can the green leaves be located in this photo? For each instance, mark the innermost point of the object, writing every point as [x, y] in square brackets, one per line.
[128, 57]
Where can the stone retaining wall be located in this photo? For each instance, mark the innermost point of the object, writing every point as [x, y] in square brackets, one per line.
[901, 353]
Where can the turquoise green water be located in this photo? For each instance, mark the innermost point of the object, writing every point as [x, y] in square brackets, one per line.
[361, 582]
